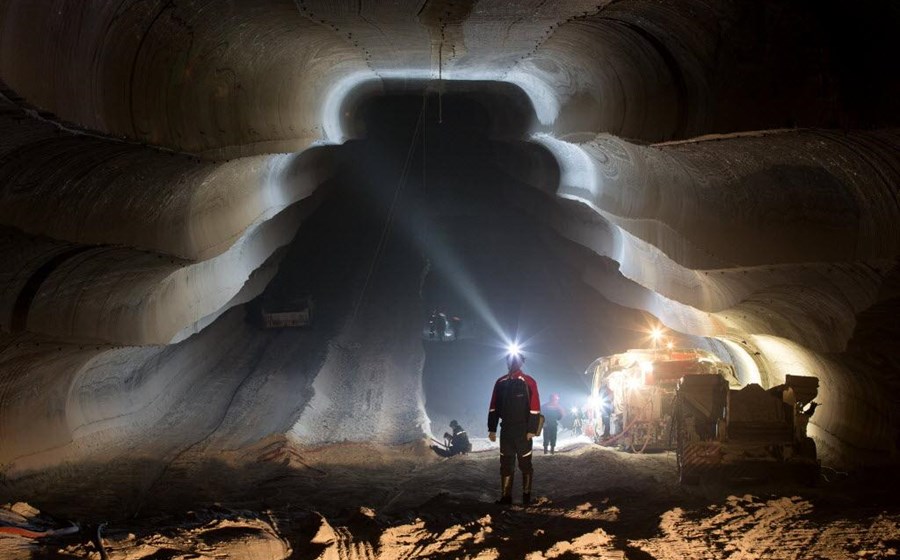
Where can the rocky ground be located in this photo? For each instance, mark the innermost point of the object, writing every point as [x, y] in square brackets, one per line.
[346, 502]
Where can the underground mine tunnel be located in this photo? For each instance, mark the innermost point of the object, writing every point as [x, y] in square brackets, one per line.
[258, 254]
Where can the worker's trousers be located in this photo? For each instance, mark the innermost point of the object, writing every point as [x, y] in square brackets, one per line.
[550, 436]
[514, 446]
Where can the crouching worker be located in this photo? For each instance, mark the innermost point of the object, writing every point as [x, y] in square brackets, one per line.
[455, 443]
[515, 401]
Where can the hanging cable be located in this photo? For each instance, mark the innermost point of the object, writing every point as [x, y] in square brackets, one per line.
[424, 138]
[382, 241]
[441, 82]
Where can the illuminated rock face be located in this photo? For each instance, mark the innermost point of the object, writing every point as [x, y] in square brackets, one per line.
[158, 159]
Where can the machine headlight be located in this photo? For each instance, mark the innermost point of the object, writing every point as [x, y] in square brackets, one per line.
[633, 382]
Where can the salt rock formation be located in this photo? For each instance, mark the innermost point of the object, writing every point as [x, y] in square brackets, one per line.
[736, 162]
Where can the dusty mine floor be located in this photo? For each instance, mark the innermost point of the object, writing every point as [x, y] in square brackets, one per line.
[275, 501]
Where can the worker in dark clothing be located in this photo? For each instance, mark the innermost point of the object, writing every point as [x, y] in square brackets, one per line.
[515, 402]
[455, 443]
[553, 413]
[577, 421]
[437, 325]
[606, 409]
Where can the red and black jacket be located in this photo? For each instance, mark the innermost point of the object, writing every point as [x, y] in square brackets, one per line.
[515, 401]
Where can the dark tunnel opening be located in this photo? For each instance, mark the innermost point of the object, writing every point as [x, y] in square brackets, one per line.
[427, 192]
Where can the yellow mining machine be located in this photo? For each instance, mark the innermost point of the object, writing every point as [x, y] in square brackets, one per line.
[690, 401]
[745, 434]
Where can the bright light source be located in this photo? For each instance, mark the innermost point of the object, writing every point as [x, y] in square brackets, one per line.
[513, 349]
[656, 333]
[574, 410]
[647, 367]
[634, 382]
[670, 345]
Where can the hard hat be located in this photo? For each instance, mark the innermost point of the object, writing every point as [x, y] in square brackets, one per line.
[514, 361]
[454, 424]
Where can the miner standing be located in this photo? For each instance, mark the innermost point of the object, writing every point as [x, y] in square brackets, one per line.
[554, 414]
[515, 402]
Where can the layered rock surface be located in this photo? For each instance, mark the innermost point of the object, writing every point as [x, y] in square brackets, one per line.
[158, 159]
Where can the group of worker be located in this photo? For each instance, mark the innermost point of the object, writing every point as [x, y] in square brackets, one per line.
[516, 408]
[443, 328]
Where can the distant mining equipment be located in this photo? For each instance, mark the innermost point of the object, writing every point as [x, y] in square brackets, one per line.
[442, 328]
[689, 401]
[297, 313]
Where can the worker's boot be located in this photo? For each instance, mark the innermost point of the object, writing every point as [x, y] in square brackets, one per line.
[526, 488]
[506, 484]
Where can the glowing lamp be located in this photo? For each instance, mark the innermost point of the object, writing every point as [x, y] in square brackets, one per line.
[634, 383]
